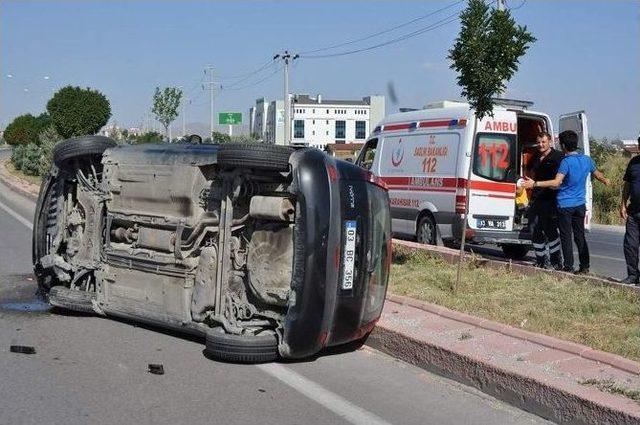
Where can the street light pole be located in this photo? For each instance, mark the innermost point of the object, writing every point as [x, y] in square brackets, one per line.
[211, 86]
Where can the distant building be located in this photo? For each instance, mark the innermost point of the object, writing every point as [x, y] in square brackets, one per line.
[630, 146]
[318, 122]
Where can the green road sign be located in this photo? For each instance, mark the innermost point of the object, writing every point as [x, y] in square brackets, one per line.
[230, 118]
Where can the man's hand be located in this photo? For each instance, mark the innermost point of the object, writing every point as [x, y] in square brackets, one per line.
[528, 183]
[623, 212]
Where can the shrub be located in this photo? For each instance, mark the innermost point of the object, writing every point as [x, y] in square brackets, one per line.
[24, 129]
[27, 158]
[76, 112]
[149, 137]
[606, 199]
[49, 137]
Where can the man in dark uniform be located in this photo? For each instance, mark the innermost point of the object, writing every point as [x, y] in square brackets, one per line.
[630, 212]
[543, 220]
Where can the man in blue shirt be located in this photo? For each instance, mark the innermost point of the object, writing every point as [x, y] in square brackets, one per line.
[571, 182]
[630, 212]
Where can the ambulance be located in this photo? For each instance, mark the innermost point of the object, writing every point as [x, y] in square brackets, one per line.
[429, 157]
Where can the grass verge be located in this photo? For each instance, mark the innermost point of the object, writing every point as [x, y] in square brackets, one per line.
[12, 169]
[610, 386]
[601, 317]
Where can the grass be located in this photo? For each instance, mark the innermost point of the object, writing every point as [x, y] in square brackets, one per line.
[601, 317]
[12, 169]
[610, 386]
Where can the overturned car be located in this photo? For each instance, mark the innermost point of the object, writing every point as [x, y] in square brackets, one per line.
[265, 250]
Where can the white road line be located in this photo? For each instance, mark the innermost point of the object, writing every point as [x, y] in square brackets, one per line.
[338, 405]
[17, 216]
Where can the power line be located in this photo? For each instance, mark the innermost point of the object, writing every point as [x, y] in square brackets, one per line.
[247, 74]
[275, 71]
[402, 25]
[444, 21]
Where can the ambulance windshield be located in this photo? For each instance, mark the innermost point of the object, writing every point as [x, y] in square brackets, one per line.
[494, 156]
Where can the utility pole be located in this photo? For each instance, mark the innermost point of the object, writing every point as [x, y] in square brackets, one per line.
[287, 58]
[211, 87]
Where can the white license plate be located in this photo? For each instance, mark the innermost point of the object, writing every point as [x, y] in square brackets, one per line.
[492, 224]
[350, 228]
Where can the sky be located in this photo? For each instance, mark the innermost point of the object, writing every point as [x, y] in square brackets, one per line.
[587, 55]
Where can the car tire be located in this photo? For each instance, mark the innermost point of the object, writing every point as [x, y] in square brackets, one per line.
[226, 347]
[427, 232]
[44, 224]
[254, 155]
[70, 299]
[515, 252]
[80, 146]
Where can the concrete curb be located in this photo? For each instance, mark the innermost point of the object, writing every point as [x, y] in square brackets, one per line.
[18, 185]
[451, 256]
[579, 350]
[547, 399]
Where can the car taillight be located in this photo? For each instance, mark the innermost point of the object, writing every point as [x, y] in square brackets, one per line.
[461, 204]
[372, 178]
[333, 172]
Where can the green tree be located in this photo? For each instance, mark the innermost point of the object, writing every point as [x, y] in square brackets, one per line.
[24, 129]
[75, 111]
[149, 137]
[48, 137]
[485, 55]
[165, 106]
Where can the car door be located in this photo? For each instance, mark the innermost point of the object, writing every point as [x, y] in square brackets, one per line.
[577, 121]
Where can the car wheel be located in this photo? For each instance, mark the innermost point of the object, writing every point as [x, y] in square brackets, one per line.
[260, 348]
[254, 155]
[45, 225]
[515, 252]
[80, 146]
[427, 232]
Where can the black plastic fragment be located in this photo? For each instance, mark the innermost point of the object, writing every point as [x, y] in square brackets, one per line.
[22, 349]
[156, 369]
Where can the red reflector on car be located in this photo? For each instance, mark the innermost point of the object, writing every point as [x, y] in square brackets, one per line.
[333, 172]
[372, 178]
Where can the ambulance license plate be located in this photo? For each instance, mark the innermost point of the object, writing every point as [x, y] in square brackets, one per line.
[485, 223]
[350, 228]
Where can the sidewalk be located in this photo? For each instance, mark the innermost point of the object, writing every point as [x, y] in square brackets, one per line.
[553, 378]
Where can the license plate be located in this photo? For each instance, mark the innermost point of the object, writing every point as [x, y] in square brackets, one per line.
[350, 228]
[484, 223]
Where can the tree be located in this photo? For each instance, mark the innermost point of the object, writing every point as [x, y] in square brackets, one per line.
[24, 129]
[76, 112]
[149, 137]
[485, 55]
[165, 106]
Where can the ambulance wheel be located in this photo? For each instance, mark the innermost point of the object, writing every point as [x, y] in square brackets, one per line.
[515, 252]
[427, 232]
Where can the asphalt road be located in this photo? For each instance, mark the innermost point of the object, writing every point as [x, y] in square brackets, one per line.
[605, 249]
[94, 370]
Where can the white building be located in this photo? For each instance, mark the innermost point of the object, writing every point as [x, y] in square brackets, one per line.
[318, 122]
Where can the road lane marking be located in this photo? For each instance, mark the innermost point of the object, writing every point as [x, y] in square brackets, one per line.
[338, 405]
[17, 216]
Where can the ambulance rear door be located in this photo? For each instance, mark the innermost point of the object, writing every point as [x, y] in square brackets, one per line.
[493, 173]
[577, 121]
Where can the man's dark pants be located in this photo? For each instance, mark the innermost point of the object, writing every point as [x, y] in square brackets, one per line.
[571, 225]
[631, 244]
[543, 221]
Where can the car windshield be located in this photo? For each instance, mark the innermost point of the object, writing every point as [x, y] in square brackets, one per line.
[367, 154]
[494, 156]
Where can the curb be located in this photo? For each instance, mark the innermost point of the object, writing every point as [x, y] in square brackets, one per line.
[22, 187]
[579, 350]
[451, 256]
[542, 398]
